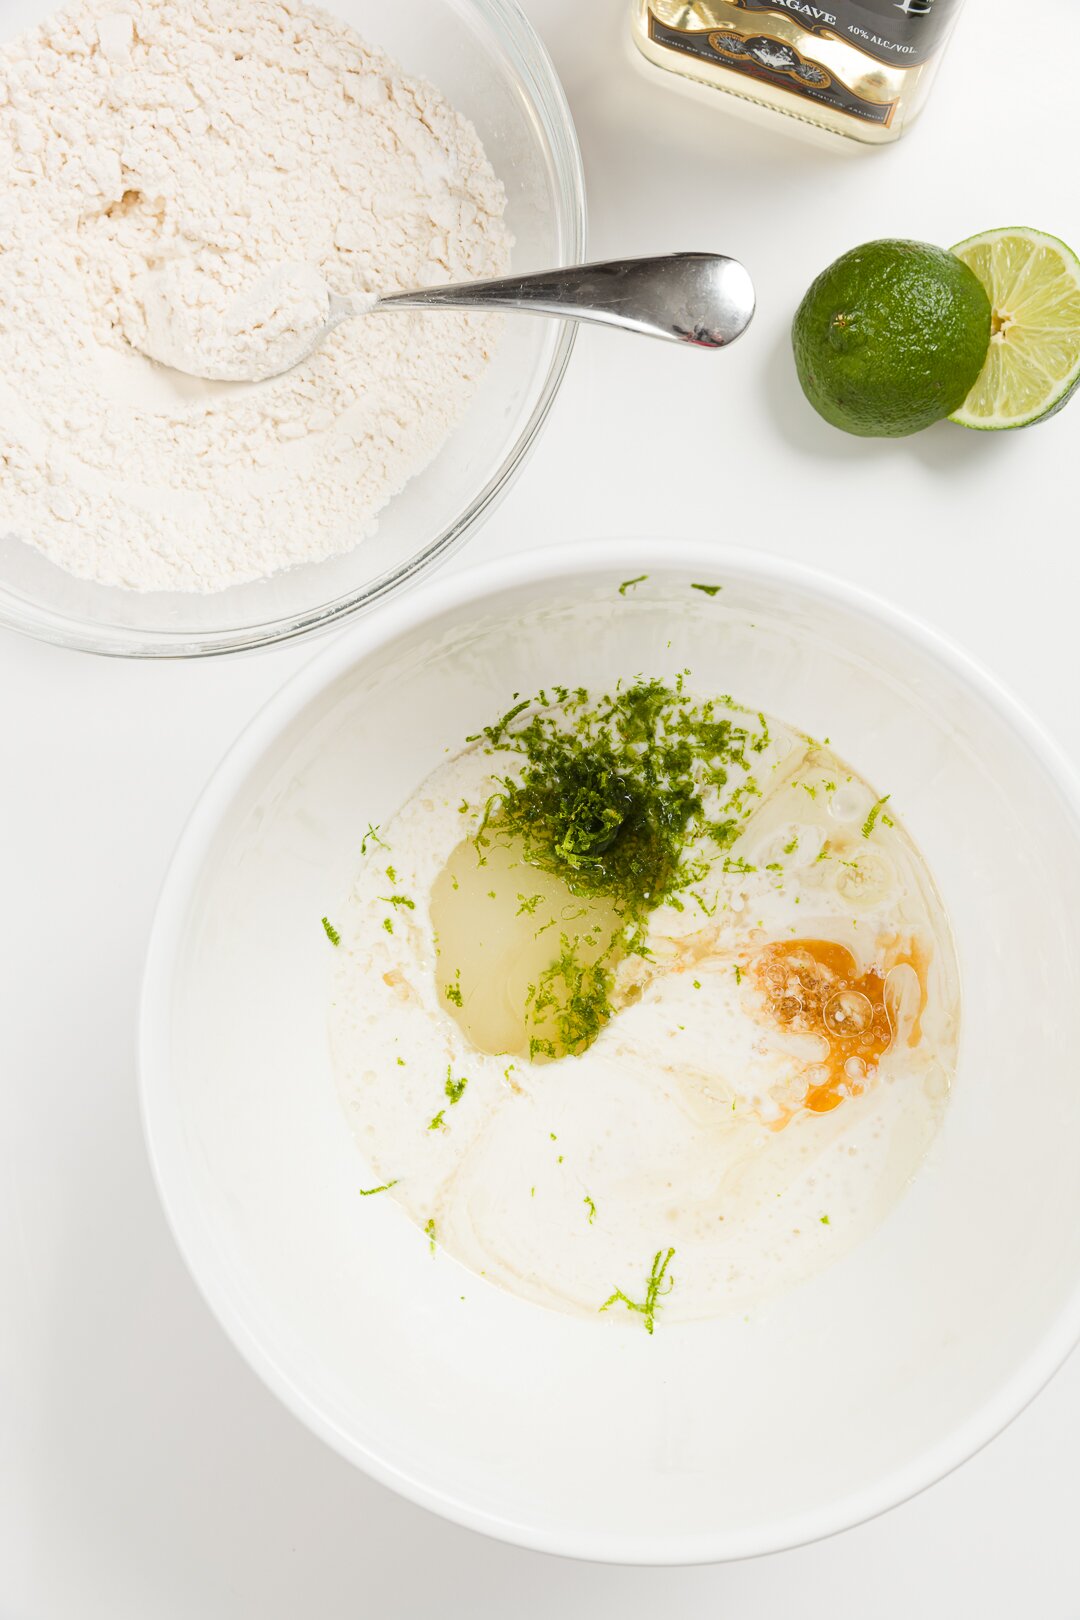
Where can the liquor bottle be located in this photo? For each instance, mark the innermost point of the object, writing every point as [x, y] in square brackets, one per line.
[860, 68]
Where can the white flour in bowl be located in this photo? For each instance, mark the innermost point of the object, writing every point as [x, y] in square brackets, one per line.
[197, 147]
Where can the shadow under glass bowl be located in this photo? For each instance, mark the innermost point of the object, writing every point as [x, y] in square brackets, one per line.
[484, 56]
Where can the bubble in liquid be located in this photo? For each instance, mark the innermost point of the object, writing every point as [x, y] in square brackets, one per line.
[850, 803]
[865, 879]
[848, 1013]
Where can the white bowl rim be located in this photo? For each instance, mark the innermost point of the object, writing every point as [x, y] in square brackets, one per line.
[469, 588]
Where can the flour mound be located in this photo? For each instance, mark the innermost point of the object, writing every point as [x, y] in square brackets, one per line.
[159, 160]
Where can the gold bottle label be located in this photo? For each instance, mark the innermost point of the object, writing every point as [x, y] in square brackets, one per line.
[771, 61]
[897, 33]
[900, 33]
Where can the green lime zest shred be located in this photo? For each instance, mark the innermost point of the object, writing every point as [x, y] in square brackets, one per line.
[655, 1290]
[735, 863]
[494, 734]
[369, 1192]
[572, 995]
[373, 834]
[331, 932]
[871, 820]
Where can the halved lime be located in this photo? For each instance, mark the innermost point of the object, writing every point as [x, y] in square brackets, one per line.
[1032, 366]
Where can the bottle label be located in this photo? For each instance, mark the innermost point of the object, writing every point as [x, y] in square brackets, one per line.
[900, 33]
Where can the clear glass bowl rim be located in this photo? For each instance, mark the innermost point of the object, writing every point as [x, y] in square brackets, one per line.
[530, 62]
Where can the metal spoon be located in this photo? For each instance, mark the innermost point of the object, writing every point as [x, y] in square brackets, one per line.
[702, 299]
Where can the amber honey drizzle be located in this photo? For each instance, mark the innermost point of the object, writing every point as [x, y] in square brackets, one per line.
[813, 987]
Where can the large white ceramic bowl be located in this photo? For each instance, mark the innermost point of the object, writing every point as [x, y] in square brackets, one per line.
[485, 57]
[707, 1441]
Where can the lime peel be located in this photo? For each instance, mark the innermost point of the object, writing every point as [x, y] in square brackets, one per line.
[891, 337]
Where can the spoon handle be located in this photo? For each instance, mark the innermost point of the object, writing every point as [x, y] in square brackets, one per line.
[704, 299]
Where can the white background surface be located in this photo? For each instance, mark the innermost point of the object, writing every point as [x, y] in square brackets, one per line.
[143, 1470]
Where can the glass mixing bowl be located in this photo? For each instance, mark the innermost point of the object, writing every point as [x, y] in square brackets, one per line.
[485, 58]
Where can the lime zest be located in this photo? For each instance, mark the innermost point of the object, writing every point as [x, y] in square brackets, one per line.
[455, 1089]
[655, 1291]
[875, 811]
[373, 834]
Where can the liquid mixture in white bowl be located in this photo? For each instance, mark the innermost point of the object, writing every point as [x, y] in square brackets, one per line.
[644, 988]
[606, 1156]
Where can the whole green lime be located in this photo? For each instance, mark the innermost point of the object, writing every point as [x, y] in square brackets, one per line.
[891, 337]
